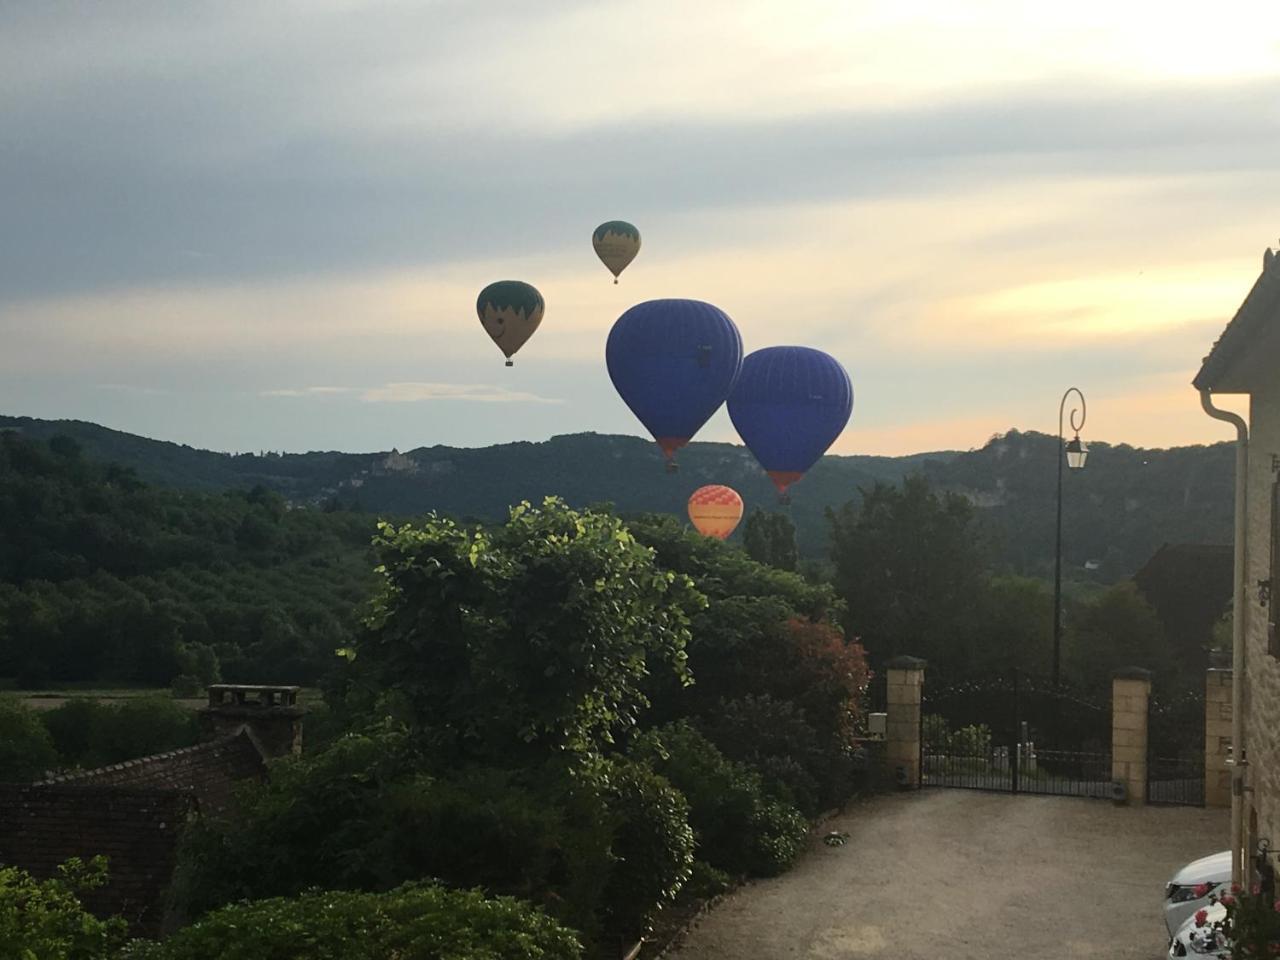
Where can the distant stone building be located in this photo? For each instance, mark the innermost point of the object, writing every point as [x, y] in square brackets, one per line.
[1246, 360]
[134, 812]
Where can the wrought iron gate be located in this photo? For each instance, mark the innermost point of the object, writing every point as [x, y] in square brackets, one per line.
[1175, 749]
[1014, 733]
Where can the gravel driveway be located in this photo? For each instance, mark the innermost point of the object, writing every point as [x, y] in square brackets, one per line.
[953, 874]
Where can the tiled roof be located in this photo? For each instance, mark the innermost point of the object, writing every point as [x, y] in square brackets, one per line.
[1260, 308]
[207, 771]
[136, 830]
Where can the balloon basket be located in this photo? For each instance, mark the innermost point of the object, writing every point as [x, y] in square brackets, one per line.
[510, 363]
[673, 467]
[784, 499]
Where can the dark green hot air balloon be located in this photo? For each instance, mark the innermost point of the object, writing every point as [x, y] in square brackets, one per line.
[509, 311]
[617, 243]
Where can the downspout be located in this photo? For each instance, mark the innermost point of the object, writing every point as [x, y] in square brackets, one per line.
[1238, 618]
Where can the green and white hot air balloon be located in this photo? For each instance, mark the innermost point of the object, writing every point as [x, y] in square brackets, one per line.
[617, 243]
[510, 311]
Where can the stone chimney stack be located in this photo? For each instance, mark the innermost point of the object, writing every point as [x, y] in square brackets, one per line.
[271, 713]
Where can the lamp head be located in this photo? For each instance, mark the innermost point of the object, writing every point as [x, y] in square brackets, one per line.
[1077, 453]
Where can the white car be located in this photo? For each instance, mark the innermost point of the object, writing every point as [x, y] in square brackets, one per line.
[1193, 941]
[1180, 900]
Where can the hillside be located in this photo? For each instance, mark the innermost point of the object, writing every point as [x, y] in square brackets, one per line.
[1117, 512]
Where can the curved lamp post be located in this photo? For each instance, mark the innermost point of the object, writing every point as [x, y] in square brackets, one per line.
[1076, 453]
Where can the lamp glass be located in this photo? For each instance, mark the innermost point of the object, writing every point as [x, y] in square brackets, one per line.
[1077, 453]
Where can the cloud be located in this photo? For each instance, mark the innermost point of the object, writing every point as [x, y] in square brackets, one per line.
[308, 391]
[418, 392]
[468, 392]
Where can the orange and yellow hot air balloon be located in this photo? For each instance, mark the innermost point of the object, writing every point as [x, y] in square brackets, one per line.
[715, 510]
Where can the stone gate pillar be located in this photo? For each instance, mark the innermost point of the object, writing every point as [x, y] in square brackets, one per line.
[1130, 694]
[905, 680]
[1217, 738]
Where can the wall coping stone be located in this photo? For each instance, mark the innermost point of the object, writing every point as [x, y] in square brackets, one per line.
[1131, 673]
[905, 662]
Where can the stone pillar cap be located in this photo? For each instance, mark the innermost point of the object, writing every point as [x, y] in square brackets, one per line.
[906, 663]
[1132, 673]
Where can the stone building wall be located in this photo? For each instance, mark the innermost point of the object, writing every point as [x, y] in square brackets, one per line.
[1262, 671]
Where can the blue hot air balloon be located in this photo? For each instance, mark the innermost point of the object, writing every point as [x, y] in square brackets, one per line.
[789, 405]
[673, 362]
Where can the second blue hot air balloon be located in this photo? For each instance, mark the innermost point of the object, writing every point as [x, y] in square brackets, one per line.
[674, 362]
[789, 405]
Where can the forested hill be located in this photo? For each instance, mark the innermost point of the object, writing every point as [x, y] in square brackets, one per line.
[1117, 512]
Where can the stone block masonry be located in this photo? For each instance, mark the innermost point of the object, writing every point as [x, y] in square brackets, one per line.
[1217, 738]
[1130, 695]
[905, 682]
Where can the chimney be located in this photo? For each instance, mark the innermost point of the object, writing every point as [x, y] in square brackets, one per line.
[271, 713]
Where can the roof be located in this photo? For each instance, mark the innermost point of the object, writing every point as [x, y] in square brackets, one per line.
[1258, 312]
[137, 830]
[207, 772]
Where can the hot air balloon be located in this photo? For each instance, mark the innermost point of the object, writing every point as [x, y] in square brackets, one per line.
[509, 311]
[789, 405]
[617, 243]
[673, 362]
[715, 510]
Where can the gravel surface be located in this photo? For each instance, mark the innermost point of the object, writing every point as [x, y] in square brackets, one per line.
[953, 874]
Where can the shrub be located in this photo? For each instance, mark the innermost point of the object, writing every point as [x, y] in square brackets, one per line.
[185, 686]
[738, 828]
[89, 733]
[26, 749]
[653, 844]
[705, 882]
[44, 920]
[796, 761]
[411, 922]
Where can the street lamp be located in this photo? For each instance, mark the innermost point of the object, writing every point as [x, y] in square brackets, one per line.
[1076, 454]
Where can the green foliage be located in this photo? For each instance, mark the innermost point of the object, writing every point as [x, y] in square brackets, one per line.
[44, 919]
[705, 882]
[103, 578]
[26, 749]
[88, 733]
[1119, 629]
[653, 845]
[525, 642]
[909, 563]
[739, 828]
[770, 538]
[411, 922]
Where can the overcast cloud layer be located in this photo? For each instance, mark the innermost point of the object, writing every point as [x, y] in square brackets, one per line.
[263, 226]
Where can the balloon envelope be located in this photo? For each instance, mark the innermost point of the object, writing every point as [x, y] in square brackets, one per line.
[510, 311]
[616, 243]
[789, 405]
[715, 510]
[673, 362]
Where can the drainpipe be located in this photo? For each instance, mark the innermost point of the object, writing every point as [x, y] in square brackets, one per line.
[1238, 617]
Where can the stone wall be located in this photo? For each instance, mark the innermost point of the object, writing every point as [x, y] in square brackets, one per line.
[1130, 699]
[1262, 673]
[905, 682]
[1217, 738]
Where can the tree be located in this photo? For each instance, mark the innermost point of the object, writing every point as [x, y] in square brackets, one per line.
[26, 749]
[771, 538]
[524, 642]
[909, 565]
[1118, 629]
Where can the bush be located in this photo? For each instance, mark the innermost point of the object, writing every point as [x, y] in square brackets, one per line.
[89, 733]
[26, 749]
[411, 922]
[185, 686]
[705, 882]
[738, 828]
[653, 844]
[44, 920]
[796, 761]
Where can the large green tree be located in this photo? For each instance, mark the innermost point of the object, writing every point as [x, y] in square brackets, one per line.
[771, 538]
[523, 642]
[909, 564]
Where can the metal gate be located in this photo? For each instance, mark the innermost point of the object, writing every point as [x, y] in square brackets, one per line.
[1016, 734]
[1175, 749]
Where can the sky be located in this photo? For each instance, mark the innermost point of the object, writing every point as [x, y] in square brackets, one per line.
[250, 226]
